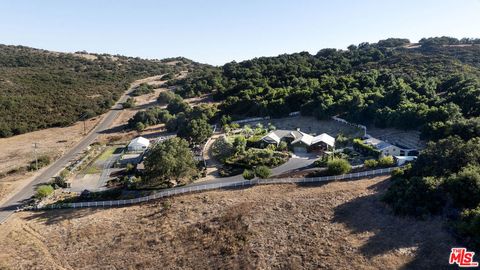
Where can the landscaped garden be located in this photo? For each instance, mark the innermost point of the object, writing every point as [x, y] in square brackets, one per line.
[242, 151]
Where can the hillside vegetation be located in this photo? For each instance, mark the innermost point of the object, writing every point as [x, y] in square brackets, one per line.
[41, 89]
[390, 83]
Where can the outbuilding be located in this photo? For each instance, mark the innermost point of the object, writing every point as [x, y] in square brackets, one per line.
[138, 144]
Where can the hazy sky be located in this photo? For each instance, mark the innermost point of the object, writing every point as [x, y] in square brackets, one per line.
[220, 31]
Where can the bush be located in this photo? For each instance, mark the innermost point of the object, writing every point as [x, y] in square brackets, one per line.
[365, 149]
[43, 191]
[140, 127]
[282, 146]
[43, 161]
[370, 163]
[143, 89]
[248, 174]
[417, 196]
[166, 96]
[129, 103]
[464, 187]
[322, 162]
[338, 166]
[386, 162]
[469, 226]
[263, 171]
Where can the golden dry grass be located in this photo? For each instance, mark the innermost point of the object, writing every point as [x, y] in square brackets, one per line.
[340, 225]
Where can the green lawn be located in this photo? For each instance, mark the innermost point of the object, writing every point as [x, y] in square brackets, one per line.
[107, 153]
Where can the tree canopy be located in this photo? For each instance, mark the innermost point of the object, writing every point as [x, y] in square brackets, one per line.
[170, 160]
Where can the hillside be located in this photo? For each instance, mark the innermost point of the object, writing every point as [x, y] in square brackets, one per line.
[392, 83]
[307, 227]
[41, 89]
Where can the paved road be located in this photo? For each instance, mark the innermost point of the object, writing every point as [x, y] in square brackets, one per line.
[293, 164]
[13, 203]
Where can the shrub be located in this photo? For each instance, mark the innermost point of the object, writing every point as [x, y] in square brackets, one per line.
[464, 187]
[338, 166]
[263, 171]
[365, 149]
[166, 96]
[43, 191]
[248, 174]
[469, 226]
[322, 162]
[43, 161]
[140, 127]
[129, 103]
[370, 163]
[282, 146]
[386, 161]
[417, 196]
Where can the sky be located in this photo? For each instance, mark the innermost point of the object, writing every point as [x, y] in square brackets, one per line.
[220, 31]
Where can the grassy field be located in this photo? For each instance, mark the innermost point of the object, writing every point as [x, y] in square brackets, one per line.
[340, 225]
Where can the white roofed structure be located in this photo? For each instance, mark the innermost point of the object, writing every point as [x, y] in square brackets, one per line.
[138, 144]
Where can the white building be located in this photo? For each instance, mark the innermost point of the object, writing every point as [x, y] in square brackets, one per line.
[385, 148]
[138, 144]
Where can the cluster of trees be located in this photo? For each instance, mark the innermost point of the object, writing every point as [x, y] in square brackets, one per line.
[190, 123]
[41, 89]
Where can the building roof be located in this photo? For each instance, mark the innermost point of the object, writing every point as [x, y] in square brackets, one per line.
[139, 141]
[324, 137]
[379, 144]
[276, 136]
[298, 136]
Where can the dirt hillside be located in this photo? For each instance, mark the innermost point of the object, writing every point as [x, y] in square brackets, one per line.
[339, 225]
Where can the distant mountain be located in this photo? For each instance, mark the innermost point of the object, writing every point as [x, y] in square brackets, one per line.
[41, 89]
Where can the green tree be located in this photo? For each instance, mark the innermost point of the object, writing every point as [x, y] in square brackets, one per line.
[338, 166]
[464, 187]
[169, 160]
[177, 105]
[196, 131]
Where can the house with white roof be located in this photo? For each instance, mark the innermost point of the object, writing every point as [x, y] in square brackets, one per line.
[301, 142]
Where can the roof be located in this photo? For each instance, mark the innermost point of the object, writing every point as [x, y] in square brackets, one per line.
[298, 136]
[139, 141]
[305, 138]
[324, 137]
[276, 136]
[379, 144]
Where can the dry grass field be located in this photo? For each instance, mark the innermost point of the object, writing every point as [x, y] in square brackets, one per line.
[340, 225]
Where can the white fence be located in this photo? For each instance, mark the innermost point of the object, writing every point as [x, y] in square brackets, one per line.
[197, 188]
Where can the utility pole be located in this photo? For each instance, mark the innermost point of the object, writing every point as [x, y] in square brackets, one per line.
[35, 145]
[83, 117]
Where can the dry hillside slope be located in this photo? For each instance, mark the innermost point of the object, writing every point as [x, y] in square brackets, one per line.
[339, 225]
